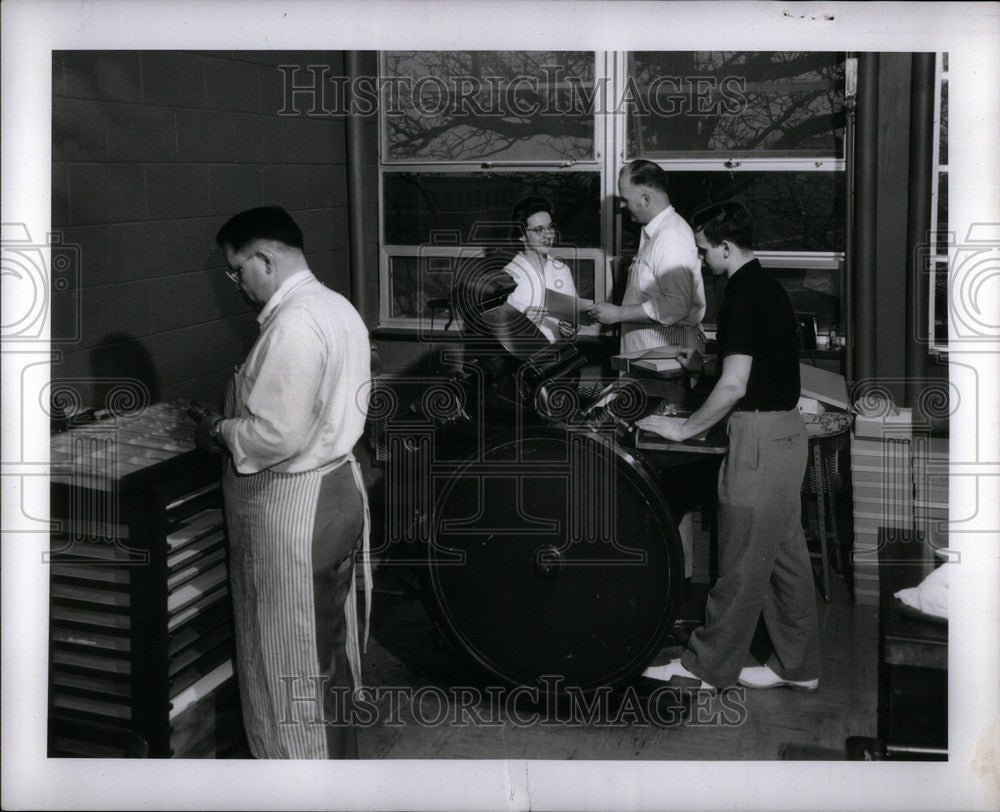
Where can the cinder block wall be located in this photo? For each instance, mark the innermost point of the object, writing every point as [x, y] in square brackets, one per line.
[151, 152]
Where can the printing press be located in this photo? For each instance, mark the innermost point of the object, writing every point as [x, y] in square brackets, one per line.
[545, 538]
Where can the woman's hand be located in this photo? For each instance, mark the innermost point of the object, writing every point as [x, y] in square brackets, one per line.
[567, 330]
[534, 314]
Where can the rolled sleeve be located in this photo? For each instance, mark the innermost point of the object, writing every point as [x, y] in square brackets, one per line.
[281, 402]
[529, 291]
[675, 297]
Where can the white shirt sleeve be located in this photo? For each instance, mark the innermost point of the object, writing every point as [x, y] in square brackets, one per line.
[281, 402]
[524, 295]
[677, 295]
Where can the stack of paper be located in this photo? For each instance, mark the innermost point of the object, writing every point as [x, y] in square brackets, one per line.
[661, 360]
[828, 388]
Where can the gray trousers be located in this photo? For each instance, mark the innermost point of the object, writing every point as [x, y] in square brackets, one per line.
[763, 559]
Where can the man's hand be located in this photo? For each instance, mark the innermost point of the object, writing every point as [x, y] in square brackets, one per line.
[567, 330]
[691, 359]
[604, 313]
[204, 436]
[670, 428]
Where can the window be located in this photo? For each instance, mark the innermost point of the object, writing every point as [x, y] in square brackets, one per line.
[464, 135]
[938, 317]
[736, 102]
[764, 128]
[511, 106]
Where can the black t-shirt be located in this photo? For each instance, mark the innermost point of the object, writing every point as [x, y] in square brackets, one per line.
[756, 319]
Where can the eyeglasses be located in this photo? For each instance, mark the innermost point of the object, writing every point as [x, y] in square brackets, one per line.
[542, 229]
[234, 275]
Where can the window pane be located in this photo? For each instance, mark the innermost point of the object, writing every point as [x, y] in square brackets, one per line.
[582, 269]
[787, 102]
[416, 282]
[792, 211]
[495, 105]
[409, 294]
[942, 213]
[944, 123]
[941, 303]
[418, 206]
[812, 290]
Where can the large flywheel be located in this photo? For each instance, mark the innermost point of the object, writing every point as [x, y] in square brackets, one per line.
[554, 555]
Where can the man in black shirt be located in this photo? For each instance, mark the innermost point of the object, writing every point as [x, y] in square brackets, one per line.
[763, 559]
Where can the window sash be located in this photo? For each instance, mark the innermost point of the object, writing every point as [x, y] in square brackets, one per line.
[610, 146]
[410, 164]
[935, 258]
[422, 322]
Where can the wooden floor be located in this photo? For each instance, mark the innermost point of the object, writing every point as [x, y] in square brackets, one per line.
[417, 719]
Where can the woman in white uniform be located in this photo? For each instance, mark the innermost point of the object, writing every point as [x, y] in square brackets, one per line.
[535, 271]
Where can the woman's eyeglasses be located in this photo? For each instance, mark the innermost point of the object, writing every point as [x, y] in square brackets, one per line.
[542, 229]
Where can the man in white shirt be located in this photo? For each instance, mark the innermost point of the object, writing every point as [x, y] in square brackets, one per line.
[535, 271]
[294, 498]
[664, 299]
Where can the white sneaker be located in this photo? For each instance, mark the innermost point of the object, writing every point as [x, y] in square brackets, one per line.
[764, 677]
[665, 673]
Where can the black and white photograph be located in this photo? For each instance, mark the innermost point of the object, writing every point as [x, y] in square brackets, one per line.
[501, 405]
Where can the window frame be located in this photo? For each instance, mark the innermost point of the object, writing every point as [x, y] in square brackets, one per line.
[416, 164]
[411, 166]
[428, 324]
[610, 154]
[935, 259]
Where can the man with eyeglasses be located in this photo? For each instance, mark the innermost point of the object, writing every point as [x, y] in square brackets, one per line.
[295, 504]
[534, 269]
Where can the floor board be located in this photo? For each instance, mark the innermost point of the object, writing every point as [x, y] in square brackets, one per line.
[421, 712]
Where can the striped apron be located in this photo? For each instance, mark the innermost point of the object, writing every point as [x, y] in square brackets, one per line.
[292, 539]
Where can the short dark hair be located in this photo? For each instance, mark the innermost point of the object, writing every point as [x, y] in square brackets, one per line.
[523, 209]
[646, 173]
[725, 221]
[263, 223]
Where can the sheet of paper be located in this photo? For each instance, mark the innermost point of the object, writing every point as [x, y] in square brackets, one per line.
[564, 307]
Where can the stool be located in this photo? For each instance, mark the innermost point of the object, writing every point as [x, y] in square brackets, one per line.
[827, 434]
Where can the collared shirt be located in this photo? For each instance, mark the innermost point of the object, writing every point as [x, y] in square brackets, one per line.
[665, 278]
[301, 395]
[529, 296]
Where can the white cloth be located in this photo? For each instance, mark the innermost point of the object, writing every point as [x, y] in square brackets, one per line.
[665, 278]
[931, 595]
[302, 393]
[529, 296]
